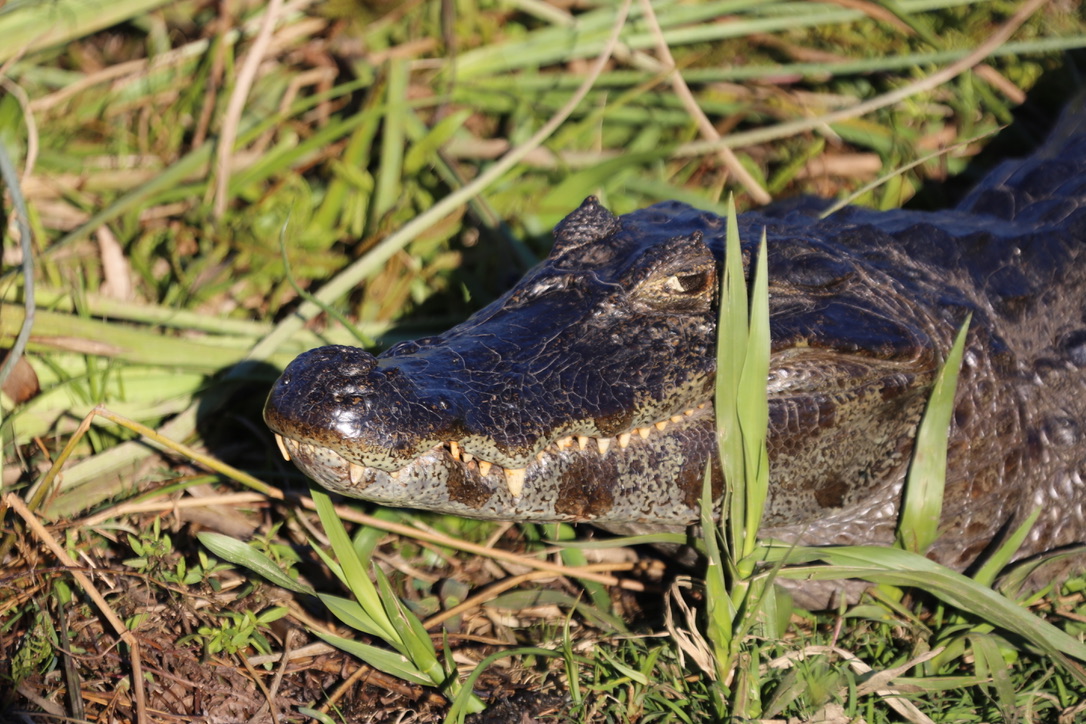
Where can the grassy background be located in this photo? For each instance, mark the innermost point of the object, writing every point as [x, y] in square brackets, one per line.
[177, 163]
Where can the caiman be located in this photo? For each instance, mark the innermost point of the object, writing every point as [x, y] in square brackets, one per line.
[585, 392]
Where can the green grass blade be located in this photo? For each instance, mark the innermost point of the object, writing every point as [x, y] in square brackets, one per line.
[425, 149]
[416, 640]
[574, 557]
[377, 610]
[753, 407]
[918, 525]
[572, 191]
[389, 173]
[731, 353]
[1002, 557]
[243, 554]
[742, 416]
[903, 568]
[56, 331]
[318, 716]
[30, 26]
[992, 667]
[354, 615]
[354, 570]
[463, 704]
[389, 662]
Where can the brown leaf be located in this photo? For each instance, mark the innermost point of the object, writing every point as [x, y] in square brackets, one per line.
[22, 383]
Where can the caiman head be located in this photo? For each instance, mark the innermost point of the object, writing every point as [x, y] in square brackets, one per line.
[585, 392]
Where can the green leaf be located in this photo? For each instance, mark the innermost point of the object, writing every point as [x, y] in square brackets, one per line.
[465, 702]
[316, 715]
[387, 193]
[904, 568]
[243, 554]
[992, 666]
[272, 614]
[634, 675]
[918, 526]
[353, 614]
[574, 558]
[415, 639]
[29, 26]
[732, 330]
[422, 152]
[752, 405]
[1002, 557]
[576, 186]
[354, 570]
[387, 661]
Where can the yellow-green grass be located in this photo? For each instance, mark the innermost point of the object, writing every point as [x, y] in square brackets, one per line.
[366, 162]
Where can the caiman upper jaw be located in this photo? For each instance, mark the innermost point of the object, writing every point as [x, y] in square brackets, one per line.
[340, 409]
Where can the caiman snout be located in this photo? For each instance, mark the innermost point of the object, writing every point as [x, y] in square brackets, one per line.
[342, 398]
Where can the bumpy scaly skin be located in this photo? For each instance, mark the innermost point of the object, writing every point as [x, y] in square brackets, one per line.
[584, 394]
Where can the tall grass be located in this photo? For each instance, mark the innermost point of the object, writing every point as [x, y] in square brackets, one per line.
[412, 164]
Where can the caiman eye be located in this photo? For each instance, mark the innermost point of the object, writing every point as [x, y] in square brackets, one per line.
[687, 283]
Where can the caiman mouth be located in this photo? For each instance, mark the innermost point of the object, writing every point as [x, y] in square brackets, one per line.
[451, 451]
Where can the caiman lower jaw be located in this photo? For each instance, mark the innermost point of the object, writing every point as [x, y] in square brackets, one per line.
[333, 464]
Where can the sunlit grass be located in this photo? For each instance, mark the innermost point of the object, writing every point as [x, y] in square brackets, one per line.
[337, 157]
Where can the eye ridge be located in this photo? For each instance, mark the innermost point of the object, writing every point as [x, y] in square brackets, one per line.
[689, 283]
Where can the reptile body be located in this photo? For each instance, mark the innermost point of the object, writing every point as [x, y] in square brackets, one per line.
[584, 393]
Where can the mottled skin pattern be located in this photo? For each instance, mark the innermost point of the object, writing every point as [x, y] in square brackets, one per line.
[581, 395]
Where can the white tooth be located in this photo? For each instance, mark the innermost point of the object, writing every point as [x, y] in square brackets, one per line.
[688, 412]
[467, 457]
[540, 456]
[355, 471]
[702, 406]
[624, 439]
[582, 441]
[282, 446]
[563, 442]
[661, 426]
[514, 478]
[603, 443]
[643, 432]
[484, 468]
[676, 418]
[395, 475]
[454, 449]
